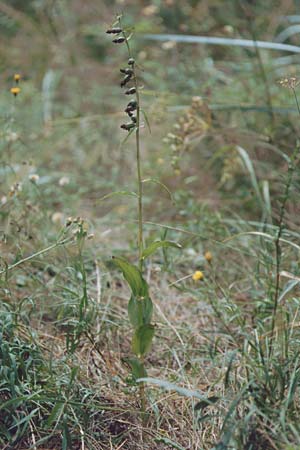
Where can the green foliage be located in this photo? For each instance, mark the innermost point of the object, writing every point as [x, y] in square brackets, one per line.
[156, 245]
[134, 278]
[142, 339]
[217, 130]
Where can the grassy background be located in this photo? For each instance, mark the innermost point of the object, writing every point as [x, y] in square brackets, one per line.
[224, 139]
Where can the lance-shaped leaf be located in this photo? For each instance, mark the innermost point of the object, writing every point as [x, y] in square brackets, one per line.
[133, 276]
[140, 311]
[142, 339]
[156, 245]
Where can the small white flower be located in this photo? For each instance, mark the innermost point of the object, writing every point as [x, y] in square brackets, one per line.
[3, 200]
[57, 218]
[64, 181]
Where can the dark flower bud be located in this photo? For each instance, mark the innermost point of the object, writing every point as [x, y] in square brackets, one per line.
[131, 62]
[114, 30]
[130, 91]
[133, 118]
[119, 40]
[125, 80]
[127, 71]
[132, 105]
[127, 126]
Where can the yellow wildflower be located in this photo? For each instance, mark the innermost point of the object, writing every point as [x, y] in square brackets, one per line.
[15, 91]
[198, 275]
[17, 77]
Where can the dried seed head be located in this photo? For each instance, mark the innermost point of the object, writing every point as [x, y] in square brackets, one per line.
[290, 83]
[131, 61]
[119, 40]
[130, 91]
[114, 30]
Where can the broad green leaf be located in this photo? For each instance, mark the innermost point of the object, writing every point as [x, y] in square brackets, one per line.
[137, 367]
[142, 339]
[158, 244]
[133, 276]
[140, 311]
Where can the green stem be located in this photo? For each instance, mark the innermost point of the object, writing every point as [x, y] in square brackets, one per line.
[35, 255]
[296, 99]
[140, 209]
[139, 178]
[138, 157]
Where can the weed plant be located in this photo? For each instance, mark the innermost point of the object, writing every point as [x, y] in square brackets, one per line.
[77, 370]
